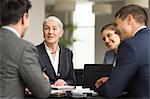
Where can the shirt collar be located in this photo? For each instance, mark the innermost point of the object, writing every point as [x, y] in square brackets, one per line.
[47, 48]
[11, 29]
[139, 29]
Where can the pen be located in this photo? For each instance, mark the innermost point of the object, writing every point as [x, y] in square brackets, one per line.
[44, 69]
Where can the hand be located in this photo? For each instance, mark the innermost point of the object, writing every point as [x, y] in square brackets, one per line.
[60, 82]
[45, 76]
[101, 81]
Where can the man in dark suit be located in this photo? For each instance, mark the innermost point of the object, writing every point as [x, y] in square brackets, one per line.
[132, 71]
[55, 59]
[19, 63]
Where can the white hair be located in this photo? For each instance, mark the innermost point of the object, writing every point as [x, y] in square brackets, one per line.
[56, 19]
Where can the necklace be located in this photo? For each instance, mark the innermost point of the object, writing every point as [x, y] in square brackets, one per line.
[53, 52]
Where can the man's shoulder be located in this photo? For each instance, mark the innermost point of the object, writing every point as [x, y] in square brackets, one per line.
[23, 43]
[12, 38]
[109, 52]
[141, 36]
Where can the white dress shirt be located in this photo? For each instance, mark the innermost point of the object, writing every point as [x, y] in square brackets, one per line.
[11, 29]
[54, 61]
[139, 29]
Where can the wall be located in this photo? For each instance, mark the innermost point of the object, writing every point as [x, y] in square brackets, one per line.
[37, 13]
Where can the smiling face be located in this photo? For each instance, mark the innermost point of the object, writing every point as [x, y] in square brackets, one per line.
[52, 32]
[110, 38]
[125, 27]
[122, 29]
[129, 19]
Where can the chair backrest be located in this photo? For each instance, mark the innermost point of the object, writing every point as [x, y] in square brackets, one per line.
[79, 77]
[92, 72]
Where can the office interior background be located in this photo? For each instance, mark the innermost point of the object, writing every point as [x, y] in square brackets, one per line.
[87, 16]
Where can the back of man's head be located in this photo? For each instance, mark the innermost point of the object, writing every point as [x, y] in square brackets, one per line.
[138, 13]
[13, 10]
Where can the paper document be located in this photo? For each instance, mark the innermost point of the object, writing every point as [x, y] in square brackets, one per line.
[66, 87]
[57, 91]
[82, 92]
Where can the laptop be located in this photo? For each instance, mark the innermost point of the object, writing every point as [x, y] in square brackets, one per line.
[92, 72]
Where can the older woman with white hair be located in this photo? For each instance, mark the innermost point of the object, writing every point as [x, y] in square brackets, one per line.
[55, 59]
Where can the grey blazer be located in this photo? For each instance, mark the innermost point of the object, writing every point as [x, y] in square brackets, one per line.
[19, 66]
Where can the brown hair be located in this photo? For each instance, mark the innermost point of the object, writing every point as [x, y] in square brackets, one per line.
[138, 13]
[110, 26]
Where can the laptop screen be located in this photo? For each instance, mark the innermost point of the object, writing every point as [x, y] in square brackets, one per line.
[92, 72]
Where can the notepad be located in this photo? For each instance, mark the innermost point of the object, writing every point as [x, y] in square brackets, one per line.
[66, 87]
[83, 92]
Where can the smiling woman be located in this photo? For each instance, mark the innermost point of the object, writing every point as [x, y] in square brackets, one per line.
[110, 37]
[112, 41]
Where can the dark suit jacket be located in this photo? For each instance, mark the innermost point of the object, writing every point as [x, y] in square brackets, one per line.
[19, 66]
[65, 67]
[132, 71]
[109, 57]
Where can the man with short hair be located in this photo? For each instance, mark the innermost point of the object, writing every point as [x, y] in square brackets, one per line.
[132, 70]
[19, 63]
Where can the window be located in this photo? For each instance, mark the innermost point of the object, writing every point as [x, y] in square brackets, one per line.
[84, 46]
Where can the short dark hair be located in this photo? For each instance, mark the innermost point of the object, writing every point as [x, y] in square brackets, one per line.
[110, 26]
[13, 10]
[138, 13]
